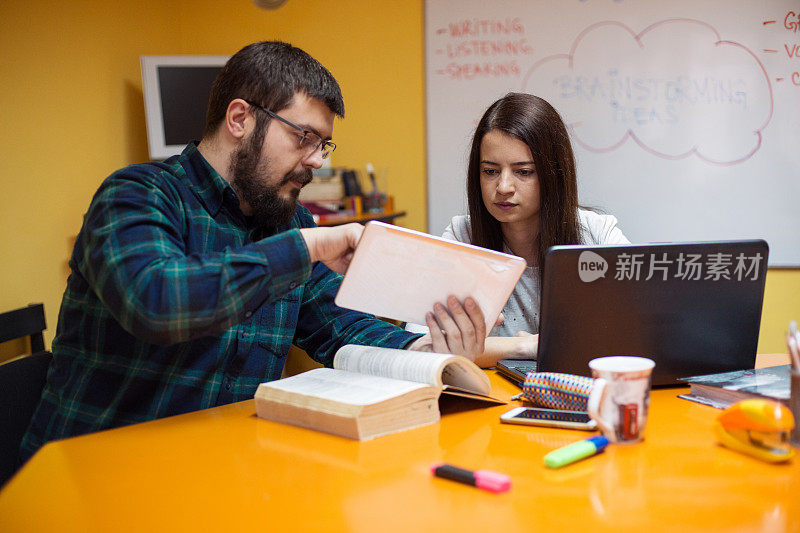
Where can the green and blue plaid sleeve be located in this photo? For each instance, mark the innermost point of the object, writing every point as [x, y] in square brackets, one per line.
[323, 327]
[133, 255]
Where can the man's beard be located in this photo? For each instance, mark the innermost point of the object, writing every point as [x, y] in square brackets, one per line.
[251, 173]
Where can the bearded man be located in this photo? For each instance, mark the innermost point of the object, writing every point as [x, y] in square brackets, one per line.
[191, 277]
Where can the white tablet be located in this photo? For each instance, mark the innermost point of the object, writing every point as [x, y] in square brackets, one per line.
[400, 274]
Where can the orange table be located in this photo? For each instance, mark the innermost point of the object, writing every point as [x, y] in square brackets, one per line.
[224, 469]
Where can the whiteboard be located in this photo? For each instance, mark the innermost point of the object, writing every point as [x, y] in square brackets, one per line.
[684, 115]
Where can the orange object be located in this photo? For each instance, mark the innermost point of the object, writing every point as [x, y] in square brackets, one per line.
[757, 427]
[757, 415]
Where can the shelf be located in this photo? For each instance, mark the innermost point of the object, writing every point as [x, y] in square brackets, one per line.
[336, 220]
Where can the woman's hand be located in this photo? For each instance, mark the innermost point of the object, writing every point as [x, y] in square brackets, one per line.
[523, 345]
[527, 346]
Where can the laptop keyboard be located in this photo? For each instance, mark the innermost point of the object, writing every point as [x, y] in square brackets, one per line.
[516, 369]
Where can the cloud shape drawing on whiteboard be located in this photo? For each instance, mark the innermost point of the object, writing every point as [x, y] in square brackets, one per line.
[676, 89]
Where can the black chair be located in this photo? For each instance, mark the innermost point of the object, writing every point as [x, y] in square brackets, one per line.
[25, 322]
[21, 382]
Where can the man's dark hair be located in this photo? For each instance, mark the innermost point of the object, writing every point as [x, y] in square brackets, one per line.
[533, 121]
[270, 73]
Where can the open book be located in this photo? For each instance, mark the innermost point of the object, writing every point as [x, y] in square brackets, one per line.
[372, 391]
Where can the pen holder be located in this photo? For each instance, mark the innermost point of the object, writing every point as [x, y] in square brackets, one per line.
[794, 407]
[557, 391]
[374, 202]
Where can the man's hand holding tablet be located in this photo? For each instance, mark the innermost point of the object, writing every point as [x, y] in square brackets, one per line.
[457, 289]
[457, 329]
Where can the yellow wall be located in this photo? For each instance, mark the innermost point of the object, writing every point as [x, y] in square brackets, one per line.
[72, 113]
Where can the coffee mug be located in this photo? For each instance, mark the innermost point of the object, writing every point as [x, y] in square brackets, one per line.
[620, 396]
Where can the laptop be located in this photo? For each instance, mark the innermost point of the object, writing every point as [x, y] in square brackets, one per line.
[694, 308]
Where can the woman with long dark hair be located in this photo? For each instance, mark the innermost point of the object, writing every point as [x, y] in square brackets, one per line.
[522, 194]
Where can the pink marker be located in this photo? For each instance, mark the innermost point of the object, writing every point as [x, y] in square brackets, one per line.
[483, 479]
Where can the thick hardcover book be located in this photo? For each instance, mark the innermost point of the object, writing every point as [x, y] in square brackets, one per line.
[721, 390]
[372, 391]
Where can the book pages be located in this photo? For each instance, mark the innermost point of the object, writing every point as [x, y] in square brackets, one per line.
[422, 367]
[344, 387]
[460, 372]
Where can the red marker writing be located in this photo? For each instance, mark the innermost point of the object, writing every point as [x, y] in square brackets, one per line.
[483, 479]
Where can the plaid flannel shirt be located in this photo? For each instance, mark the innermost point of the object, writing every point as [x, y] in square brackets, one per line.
[176, 303]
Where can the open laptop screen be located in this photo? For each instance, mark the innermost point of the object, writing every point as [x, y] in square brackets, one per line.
[694, 308]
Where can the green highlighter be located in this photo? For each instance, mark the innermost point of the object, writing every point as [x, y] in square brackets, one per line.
[575, 452]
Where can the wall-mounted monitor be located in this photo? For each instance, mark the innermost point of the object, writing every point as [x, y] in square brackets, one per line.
[176, 90]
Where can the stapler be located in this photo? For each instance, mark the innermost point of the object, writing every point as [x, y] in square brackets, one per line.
[757, 427]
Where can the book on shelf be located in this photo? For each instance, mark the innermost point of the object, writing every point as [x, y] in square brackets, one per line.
[723, 389]
[372, 391]
[324, 187]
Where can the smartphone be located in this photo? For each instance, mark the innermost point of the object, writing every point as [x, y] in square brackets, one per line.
[558, 418]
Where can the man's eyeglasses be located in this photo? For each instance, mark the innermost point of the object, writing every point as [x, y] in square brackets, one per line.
[310, 142]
